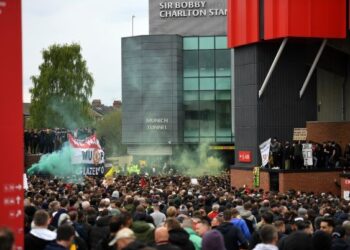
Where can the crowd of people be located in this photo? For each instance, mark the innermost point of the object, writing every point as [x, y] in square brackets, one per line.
[44, 141]
[171, 212]
[290, 155]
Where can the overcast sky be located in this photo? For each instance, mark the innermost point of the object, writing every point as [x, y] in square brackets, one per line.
[97, 26]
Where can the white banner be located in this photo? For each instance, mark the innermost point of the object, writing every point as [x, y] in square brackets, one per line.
[87, 156]
[87, 151]
[265, 151]
[307, 154]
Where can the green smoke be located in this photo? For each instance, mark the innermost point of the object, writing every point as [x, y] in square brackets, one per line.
[198, 162]
[58, 164]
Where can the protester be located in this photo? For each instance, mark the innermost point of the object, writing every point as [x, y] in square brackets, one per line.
[64, 240]
[7, 240]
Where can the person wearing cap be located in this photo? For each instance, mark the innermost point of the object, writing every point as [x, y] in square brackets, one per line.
[123, 238]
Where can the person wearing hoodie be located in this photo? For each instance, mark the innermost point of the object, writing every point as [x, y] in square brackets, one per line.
[100, 230]
[248, 217]
[269, 237]
[240, 223]
[64, 240]
[180, 238]
[213, 239]
[39, 236]
[233, 237]
[187, 224]
[143, 230]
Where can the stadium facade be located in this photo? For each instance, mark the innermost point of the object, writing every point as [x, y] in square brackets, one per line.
[176, 82]
[234, 73]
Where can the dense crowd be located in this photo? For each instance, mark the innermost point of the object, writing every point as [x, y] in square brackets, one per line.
[43, 141]
[290, 155]
[174, 212]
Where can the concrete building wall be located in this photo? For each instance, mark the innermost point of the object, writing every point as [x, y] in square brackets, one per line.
[187, 17]
[152, 89]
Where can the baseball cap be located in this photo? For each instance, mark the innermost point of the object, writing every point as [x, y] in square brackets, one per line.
[124, 233]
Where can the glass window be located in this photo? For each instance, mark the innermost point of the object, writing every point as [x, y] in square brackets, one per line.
[207, 95]
[221, 42]
[223, 95]
[223, 83]
[190, 83]
[206, 43]
[206, 63]
[190, 63]
[191, 126]
[194, 139]
[207, 84]
[191, 96]
[190, 43]
[207, 118]
[223, 63]
[224, 139]
[223, 118]
[207, 139]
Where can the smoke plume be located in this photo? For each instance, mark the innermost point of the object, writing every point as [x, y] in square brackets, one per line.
[58, 164]
[197, 162]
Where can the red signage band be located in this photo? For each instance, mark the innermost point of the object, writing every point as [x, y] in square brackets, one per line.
[11, 182]
[245, 156]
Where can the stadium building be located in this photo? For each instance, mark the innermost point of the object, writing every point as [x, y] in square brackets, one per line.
[176, 82]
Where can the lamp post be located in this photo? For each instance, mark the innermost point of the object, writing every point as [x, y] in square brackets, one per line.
[132, 25]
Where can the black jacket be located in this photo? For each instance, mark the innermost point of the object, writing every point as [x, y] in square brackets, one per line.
[99, 231]
[232, 236]
[55, 246]
[181, 238]
[39, 240]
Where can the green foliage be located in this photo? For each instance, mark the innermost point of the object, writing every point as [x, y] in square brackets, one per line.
[60, 95]
[110, 128]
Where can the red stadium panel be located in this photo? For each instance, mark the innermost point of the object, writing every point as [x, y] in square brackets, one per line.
[242, 22]
[304, 18]
[11, 126]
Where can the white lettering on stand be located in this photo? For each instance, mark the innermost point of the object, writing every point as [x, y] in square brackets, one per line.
[188, 9]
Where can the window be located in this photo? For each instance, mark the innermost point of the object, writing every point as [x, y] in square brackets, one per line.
[223, 118]
[207, 118]
[206, 43]
[206, 63]
[191, 84]
[223, 95]
[191, 63]
[221, 42]
[207, 90]
[223, 83]
[223, 64]
[207, 84]
[191, 96]
[191, 109]
[190, 43]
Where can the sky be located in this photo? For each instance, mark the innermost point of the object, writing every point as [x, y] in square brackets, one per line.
[97, 26]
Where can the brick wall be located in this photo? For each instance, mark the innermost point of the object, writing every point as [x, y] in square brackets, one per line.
[329, 131]
[240, 177]
[317, 182]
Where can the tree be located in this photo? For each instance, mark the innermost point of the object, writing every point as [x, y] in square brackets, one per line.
[109, 130]
[60, 95]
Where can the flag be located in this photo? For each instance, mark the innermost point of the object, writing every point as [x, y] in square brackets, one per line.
[265, 151]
